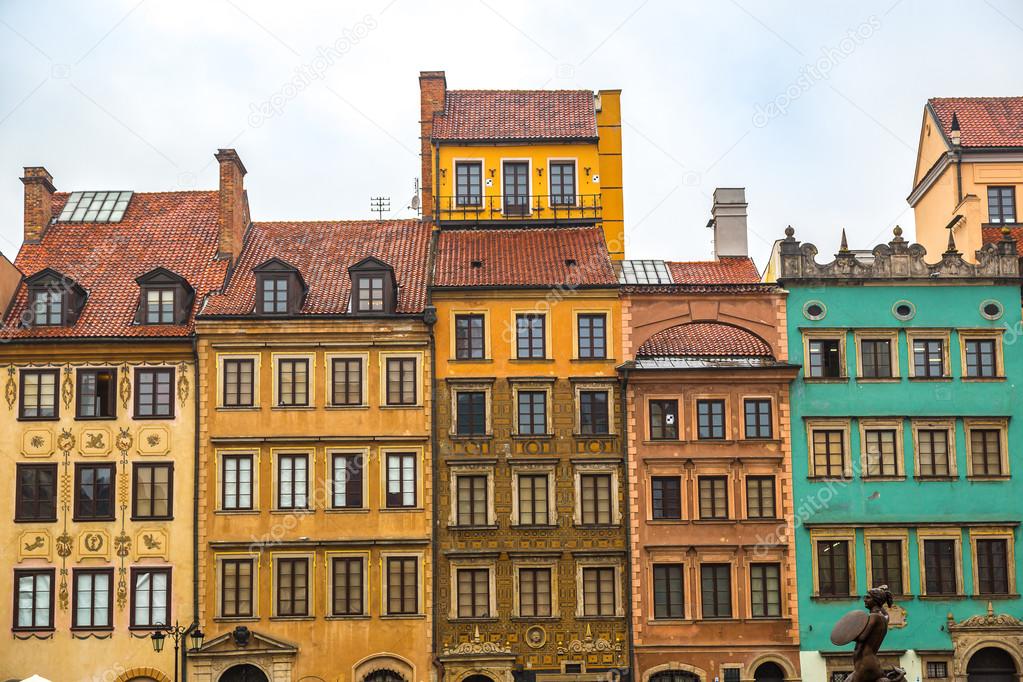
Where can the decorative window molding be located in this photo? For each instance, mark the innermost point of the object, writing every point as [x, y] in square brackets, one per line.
[873, 464]
[847, 535]
[953, 535]
[889, 335]
[999, 425]
[827, 470]
[948, 426]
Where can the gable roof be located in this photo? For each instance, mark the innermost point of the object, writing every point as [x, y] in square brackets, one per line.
[727, 270]
[983, 121]
[482, 115]
[705, 339]
[322, 252]
[173, 230]
[534, 257]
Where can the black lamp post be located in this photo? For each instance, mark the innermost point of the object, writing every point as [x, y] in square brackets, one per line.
[178, 633]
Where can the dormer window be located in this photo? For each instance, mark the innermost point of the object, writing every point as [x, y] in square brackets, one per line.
[275, 295]
[47, 308]
[280, 289]
[371, 294]
[374, 289]
[160, 306]
[53, 299]
[165, 298]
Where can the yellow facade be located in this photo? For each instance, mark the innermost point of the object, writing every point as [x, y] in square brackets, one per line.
[120, 547]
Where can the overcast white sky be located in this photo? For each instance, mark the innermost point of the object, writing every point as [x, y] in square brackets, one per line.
[813, 107]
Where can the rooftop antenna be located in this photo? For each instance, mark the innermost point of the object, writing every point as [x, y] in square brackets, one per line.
[380, 205]
[414, 204]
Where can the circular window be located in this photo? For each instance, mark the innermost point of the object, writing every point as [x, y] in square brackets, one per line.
[904, 310]
[814, 310]
[992, 310]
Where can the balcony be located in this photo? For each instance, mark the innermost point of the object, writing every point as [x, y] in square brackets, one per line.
[520, 209]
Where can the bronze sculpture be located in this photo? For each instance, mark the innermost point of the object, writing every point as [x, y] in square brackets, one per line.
[868, 630]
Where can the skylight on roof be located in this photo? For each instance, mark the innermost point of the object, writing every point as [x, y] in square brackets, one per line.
[644, 272]
[95, 207]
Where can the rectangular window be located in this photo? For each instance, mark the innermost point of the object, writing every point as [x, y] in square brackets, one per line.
[470, 343]
[346, 387]
[937, 670]
[471, 417]
[401, 381]
[760, 497]
[876, 358]
[593, 413]
[275, 295]
[710, 419]
[595, 498]
[882, 452]
[929, 358]
[532, 413]
[473, 592]
[940, 567]
[154, 393]
[599, 591]
[402, 586]
[471, 502]
[236, 492]
[716, 588]
[292, 587]
[93, 592]
[239, 383]
[828, 453]
[236, 588]
[533, 509]
[886, 564]
[980, 358]
[592, 330]
[562, 183]
[992, 567]
[159, 306]
[833, 568]
[825, 359]
[154, 485]
[39, 394]
[986, 452]
[293, 481]
[669, 595]
[371, 293]
[150, 597]
[765, 590]
[468, 183]
[663, 419]
[933, 452]
[401, 480]
[713, 497]
[97, 394]
[759, 423]
[94, 492]
[47, 308]
[36, 496]
[293, 382]
[348, 585]
[1001, 205]
[33, 599]
[530, 332]
[346, 481]
[515, 175]
[666, 494]
[535, 592]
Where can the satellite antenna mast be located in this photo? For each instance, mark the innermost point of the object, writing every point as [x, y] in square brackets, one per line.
[380, 205]
[414, 204]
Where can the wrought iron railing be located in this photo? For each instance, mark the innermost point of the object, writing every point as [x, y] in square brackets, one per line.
[520, 207]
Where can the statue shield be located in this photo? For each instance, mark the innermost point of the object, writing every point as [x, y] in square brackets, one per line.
[849, 627]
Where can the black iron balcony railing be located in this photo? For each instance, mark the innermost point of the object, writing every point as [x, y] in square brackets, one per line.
[519, 207]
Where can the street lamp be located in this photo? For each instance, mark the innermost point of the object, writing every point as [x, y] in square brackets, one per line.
[178, 633]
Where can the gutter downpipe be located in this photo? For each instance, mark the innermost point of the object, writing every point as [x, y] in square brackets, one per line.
[629, 635]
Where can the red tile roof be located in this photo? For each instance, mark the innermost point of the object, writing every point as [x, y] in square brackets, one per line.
[175, 230]
[322, 251]
[516, 115]
[729, 270]
[983, 121]
[525, 258]
[705, 339]
[993, 235]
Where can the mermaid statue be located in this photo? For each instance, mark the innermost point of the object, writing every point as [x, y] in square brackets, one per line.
[868, 631]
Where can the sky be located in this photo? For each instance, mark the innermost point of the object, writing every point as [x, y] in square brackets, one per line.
[814, 108]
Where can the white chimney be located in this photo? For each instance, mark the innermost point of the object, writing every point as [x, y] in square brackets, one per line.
[728, 218]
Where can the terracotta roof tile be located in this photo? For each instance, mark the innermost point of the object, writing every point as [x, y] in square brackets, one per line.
[527, 257]
[516, 115]
[993, 235]
[323, 251]
[175, 230]
[705, 339]
[983, 121]
[729, 270]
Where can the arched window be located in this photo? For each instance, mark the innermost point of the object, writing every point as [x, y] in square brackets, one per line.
[244, 673]
[383, 675]
[769, 672]
[991, 665]
[674, 676]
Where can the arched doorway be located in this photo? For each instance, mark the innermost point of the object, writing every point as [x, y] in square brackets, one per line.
[244, 673]
[477, 678]
[383, 675]
[674, 676]
[769, 672]
[991, 665]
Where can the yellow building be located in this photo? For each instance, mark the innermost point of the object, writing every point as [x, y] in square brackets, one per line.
[514, 158]
[969, 171]
[99, 426]
[315, 484]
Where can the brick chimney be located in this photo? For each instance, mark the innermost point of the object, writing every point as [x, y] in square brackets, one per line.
[432, 95]
[231, 220]
[39, 191]
[728, 218]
